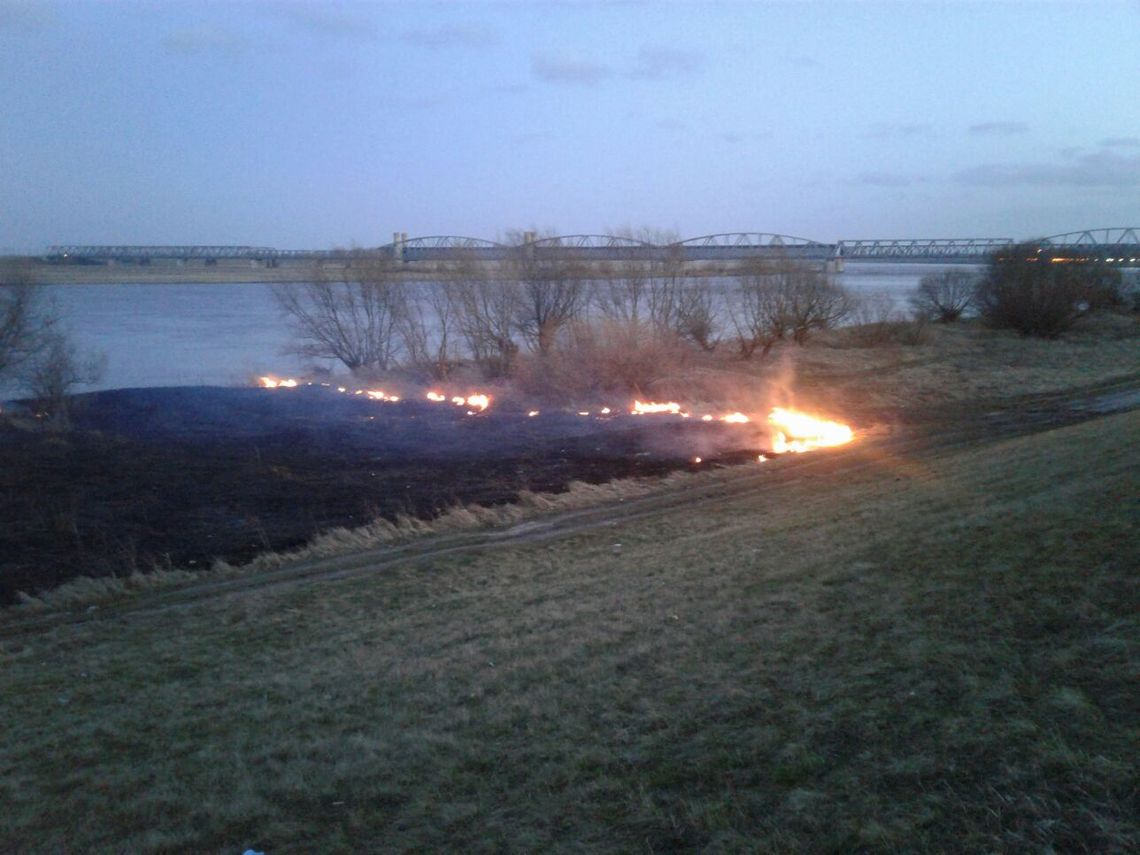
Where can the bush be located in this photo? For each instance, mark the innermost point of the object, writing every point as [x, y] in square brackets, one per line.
[590, 359]
[877, 322]
[54, 372]
[945, 295]
[1024, 290]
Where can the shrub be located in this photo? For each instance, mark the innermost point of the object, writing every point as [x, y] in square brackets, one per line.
[943, 296]
[590, 359]
[55, 370]
[878, 322]
[1024, 290]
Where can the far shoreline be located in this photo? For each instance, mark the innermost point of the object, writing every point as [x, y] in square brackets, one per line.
[243, 272]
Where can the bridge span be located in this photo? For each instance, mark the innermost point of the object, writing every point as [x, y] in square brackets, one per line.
[1117, 246]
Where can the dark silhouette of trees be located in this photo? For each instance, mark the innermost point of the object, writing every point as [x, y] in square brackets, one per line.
[1024, 290]
[945, 295]
[25, 319]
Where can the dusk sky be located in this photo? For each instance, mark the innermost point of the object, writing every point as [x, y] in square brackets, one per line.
[311, 125]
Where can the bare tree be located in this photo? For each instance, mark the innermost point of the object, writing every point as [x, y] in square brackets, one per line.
[351, 313]
[693, 313]
[625, 292]
[25, 319]
[553, 291]
[758, 315]
[485, 310]
[429, 329]
[53, 372]
[780, 297]
[945, 295]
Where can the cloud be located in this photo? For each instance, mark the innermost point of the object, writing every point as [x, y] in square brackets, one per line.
[659, 63]
[1097, 169]
[883, 179]
[329, 21]
[998, 129]
[669, 123]
[201, 41]
[899, 130]
[25, 16]
[452, 36]
[568, 71]
[1121, 142]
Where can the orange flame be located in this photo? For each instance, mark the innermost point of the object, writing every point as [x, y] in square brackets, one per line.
[274, 383]
[478, 402]
[799, 432]
[641, 408]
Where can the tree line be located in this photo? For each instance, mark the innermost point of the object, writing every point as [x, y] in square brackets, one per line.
[371, 317]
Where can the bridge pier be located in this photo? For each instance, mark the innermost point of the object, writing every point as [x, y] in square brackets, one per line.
[399, 240]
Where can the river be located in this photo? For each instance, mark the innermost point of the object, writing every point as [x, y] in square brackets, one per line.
[224, 334]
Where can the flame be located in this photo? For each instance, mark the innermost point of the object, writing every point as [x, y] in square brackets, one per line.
[792, 431]
[474, 403]
[478, 402]
[274, 383]
[799, 432]
[641, 408]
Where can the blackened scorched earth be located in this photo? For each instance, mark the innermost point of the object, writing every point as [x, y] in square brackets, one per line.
[180, 476]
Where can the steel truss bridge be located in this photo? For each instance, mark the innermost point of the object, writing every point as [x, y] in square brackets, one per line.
[1119, 246]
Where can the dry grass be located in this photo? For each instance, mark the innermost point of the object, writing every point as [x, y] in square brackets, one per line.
[933, 653]
[963, 362]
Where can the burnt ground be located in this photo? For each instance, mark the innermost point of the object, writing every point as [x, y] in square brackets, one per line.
[182, 476]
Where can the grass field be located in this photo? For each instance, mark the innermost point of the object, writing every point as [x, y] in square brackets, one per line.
[882, 651]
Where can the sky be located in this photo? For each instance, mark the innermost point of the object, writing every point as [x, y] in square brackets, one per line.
[311, 125]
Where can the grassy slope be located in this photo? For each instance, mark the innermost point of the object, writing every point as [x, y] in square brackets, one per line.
[932, 653]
